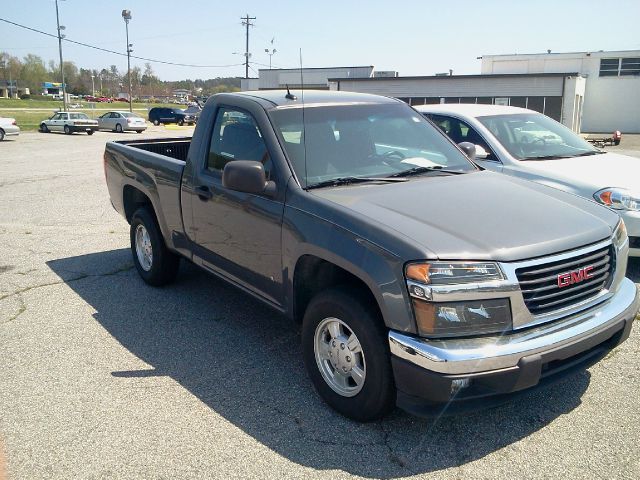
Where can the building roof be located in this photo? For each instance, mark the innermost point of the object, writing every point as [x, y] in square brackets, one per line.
[316, 97]
[590, 52]
[449, 77]
[470, 109]
[312, 68]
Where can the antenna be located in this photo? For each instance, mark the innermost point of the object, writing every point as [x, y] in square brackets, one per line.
[304, 132]
[289, 95]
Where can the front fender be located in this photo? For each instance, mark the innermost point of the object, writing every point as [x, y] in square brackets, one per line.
[379, 269]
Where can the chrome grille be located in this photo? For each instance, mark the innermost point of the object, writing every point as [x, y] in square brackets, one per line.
[539, 283]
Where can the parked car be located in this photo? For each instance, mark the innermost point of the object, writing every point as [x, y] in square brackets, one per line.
[69, 122]
[158, 115]
[194, 110]
[418, 277]
[8, 126]
[121, 122]
[529, 145]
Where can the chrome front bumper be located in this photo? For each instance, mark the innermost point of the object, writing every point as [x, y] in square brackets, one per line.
[473, 355]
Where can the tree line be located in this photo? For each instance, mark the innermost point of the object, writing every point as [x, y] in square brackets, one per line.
[31, 71]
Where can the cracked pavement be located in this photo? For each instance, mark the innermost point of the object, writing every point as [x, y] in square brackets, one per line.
[105, 377]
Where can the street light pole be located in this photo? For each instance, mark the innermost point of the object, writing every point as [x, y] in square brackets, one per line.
[93, 86]
[270, 53]
[60, 37]
[126, 15]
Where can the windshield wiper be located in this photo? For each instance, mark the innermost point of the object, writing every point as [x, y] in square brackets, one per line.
[419, 170]
[557, 157]
[335, 182]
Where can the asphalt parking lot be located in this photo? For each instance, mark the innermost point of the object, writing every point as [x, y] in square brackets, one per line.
[103, 376]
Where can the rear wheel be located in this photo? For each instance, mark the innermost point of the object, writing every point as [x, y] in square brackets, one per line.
[44, 128]
[1, 135]
[89, 132]
[155, 263]
[156, 123]
[67, 129]
[118, 128]
[346, 355]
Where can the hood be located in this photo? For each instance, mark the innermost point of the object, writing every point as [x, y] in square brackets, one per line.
[590, 174]
[481, 216]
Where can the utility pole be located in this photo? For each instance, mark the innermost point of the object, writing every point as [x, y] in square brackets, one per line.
[246, 21]
[60, 37]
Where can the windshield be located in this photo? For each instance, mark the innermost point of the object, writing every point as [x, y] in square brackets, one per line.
[362, 141]
[533, 136]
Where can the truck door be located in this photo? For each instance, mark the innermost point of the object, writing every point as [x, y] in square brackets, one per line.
[238, 235]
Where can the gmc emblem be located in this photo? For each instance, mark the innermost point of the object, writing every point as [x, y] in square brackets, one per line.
[577, 276]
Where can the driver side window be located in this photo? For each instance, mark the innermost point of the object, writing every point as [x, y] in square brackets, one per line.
[236, 136]
[460, 131]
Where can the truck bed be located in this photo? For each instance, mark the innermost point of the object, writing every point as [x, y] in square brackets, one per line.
[177, 148]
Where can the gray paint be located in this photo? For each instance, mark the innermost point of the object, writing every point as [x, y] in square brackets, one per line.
[369, 230]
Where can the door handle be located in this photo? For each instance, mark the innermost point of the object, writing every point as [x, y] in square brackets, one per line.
[204, 193]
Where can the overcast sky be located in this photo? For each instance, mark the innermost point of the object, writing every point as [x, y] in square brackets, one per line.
[412, 37]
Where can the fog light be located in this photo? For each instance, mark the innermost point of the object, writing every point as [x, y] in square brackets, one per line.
[457, 385]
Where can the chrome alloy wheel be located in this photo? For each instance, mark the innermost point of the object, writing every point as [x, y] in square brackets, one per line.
[144, 251]
[339, 357]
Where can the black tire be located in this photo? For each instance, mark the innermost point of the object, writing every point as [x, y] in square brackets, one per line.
[44, 128]
[118, 128]
[1, 135]
[181, 122]
[378, 394]
[164, 264]
[156, 123]
[89, 132]
[67, 129]
[138, 131]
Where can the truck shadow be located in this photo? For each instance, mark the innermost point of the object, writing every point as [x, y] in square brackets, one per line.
[244, 362]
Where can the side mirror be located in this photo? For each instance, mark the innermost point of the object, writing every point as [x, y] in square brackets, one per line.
[469, 149]
[247, 176]
[481, 153]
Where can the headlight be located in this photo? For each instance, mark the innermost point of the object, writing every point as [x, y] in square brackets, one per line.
[447, 319]
[618, 198]
[620, 235]
[443, 273]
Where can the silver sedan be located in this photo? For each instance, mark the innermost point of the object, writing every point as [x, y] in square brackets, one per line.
[122, 121]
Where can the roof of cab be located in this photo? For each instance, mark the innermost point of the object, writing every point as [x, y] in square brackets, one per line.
[316, 97]
[471, 109]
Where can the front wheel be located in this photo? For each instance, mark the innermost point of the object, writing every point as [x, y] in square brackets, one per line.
[346, 355]
[181, 122]
[155, 263]
[89, 132]
[1, 135]
[44, 128]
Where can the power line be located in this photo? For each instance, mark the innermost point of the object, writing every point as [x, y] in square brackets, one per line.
[152, 60]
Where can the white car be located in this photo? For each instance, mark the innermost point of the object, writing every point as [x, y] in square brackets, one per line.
[121, 122]
[8, 127]
[527, 144]
[69, 122]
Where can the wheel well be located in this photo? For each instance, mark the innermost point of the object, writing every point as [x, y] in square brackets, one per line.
[313, 274]
[132, 198]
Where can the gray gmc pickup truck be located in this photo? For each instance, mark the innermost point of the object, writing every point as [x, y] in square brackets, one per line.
[420, 279]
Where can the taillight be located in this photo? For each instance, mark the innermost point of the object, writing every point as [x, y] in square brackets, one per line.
[14, 123]
[617, 134]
